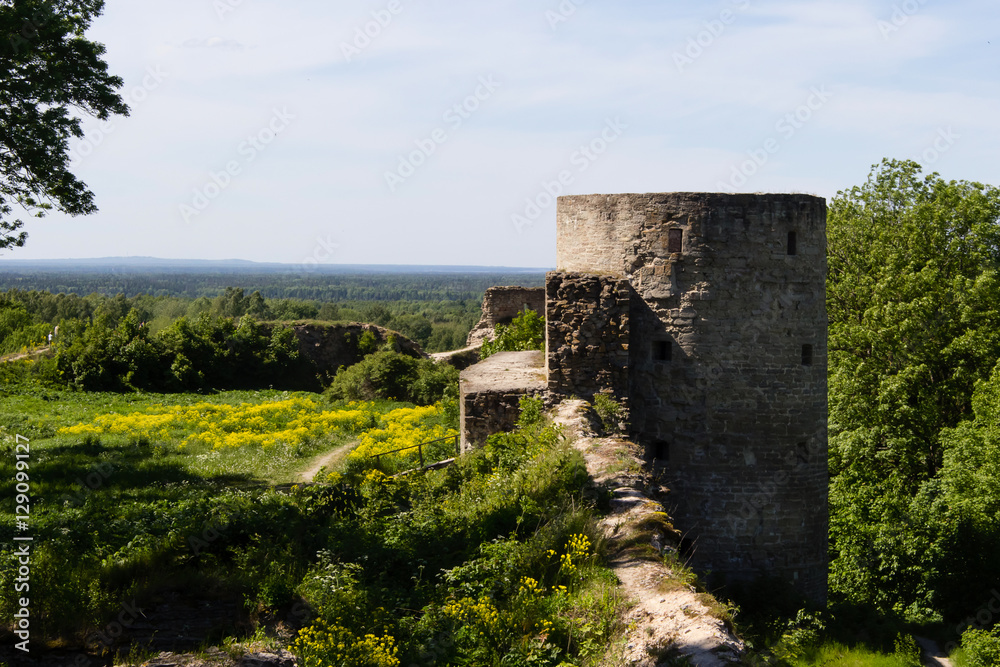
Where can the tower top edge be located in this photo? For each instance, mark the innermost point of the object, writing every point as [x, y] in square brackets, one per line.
[735, 196]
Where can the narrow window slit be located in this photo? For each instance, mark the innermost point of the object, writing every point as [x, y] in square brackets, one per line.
[662, 452]
[792, 243]
[675, 240]
[807, 355]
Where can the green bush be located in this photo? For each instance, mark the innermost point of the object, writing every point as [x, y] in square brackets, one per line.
[204, 353]
[981, 647]
[19, 330]
[394, 376]
[525, 332]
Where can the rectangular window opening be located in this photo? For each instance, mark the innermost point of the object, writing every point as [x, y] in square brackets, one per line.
[675, 240]
[792, 243]
[663, 350]
[661, 450]
[807, 355]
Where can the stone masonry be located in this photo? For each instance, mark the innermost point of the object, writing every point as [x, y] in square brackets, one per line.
[587, 333]
[726, 368]
[706, 314]
[490, 393]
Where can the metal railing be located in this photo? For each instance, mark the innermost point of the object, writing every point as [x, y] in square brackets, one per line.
[420, 448]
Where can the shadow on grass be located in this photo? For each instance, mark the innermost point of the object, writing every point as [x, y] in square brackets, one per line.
[69, 471]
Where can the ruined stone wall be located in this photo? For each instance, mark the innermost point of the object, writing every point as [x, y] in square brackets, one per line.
[587, 334]
[324, 348]
[490, 393]
[503, 304]
[727, 364]
[484, 413]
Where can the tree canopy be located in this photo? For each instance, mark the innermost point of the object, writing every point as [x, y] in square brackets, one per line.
[51, 73]
[914, 303]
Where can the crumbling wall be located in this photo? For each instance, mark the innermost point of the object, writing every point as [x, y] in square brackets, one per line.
[487, 412]
[323, 348]
[587, 334]
[503, 304]
[491, 390]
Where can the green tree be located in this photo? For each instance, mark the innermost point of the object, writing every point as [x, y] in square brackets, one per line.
[50, 71]
[912, 296]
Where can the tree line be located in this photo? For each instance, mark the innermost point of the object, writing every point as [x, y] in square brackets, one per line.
[27, 317]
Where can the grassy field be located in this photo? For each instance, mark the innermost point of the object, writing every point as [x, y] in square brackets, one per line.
[167, 503]
[128, 492]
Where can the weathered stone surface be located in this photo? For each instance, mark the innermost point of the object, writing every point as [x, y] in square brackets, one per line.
[324, 348]
[587, 334]
[722, 385]
[503, 304]
[491, 390]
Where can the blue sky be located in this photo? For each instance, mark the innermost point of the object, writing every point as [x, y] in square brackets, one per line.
[434, 132]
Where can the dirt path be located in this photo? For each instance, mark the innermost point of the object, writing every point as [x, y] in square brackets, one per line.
[668, 615]
[933, 655]
[327, 460]
[25, 355]
[440, 356]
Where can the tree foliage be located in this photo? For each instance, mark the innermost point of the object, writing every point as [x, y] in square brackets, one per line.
[387, 374]
[913, 297]
[206, 353]
[50, 72]
[525, 332]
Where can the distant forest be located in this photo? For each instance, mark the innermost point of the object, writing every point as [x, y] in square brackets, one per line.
[323, 287]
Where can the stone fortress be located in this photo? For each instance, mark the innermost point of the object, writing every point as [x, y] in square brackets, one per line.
[705, 314]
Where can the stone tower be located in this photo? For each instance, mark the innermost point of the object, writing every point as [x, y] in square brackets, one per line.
[707, 313]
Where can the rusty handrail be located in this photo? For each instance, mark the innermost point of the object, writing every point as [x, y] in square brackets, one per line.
[419, 447]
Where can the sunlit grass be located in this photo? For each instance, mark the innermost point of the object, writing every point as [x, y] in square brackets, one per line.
[844, 656]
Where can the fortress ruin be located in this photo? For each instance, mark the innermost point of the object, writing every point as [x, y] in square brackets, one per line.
[706, 315]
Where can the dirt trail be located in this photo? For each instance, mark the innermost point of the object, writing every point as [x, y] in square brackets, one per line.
[668, 616]
[37, 352]
[327, 460]
[933, 655]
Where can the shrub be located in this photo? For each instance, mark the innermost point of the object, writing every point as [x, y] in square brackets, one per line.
[526, 332]
[981, 647]
[205, 353]
[393, 376]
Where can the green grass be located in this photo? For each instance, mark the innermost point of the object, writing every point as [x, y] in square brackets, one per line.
[118, 518]
[833, 653]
